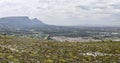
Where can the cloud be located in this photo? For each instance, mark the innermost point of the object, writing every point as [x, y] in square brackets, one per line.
[115, 6]
[67, 12]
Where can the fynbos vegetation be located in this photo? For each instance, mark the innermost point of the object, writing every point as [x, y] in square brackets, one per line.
[29, 50]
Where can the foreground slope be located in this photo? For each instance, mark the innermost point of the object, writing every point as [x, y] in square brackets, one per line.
[27, 50]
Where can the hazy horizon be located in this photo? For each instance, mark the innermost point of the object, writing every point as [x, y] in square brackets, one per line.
[65, 12]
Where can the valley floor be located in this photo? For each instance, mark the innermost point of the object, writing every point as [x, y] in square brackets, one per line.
[73, 39]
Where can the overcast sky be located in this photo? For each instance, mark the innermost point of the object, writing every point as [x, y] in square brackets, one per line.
[65, 12]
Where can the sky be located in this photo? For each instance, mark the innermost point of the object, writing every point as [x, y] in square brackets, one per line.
[65, 12]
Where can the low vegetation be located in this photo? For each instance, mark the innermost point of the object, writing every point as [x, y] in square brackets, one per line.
[30, 50]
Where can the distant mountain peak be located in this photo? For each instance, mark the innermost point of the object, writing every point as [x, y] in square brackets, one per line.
[35, 19]
[20, 22]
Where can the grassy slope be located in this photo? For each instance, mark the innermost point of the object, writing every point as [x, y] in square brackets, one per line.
[27, 50]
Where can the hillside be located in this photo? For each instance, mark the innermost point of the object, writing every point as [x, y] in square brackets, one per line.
[28, 50]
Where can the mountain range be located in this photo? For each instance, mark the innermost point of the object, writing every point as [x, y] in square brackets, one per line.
[25, 24]
[20, 23]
